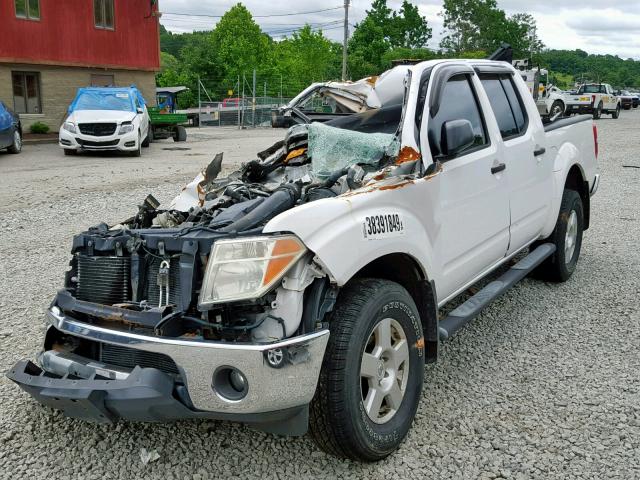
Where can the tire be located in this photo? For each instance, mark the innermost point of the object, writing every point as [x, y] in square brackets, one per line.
[16, 146]
[616, 113]
[180, 134]
[339, 421]
[138, 151]
[557, 268]
[556, 111]
[147, 140]
[597, 113]
[151, 135]
[69, 151]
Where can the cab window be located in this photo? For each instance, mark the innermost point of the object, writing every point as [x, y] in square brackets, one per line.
[506, 104]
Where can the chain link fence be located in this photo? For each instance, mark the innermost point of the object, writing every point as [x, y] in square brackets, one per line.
[243, 113]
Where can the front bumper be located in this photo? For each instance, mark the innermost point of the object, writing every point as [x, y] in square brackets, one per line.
[149, 394]
[78, 141]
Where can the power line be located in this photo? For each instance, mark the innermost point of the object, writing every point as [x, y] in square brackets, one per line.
[254, 16]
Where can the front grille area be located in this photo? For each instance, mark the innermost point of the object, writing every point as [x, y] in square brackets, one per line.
[97, 129]
[129, 358]
[104, 280]
[152, 291]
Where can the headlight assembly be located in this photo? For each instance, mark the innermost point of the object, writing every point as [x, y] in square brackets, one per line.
[247, 268]
[125, 128]
[69, 127]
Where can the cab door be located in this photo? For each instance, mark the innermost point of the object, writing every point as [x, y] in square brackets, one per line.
[473, 204]
[528, 166]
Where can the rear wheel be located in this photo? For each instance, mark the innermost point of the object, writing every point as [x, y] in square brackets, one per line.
[372, 373]
[616, 112]
[557, 110]
[180, 134]
[567, 237]
[16, 146]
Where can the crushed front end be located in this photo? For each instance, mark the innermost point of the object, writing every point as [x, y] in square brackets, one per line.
[129, 337]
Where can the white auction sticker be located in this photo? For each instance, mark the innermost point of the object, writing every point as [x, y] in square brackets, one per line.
[383, 225]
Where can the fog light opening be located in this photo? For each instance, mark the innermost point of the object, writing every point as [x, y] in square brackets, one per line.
[230, 384]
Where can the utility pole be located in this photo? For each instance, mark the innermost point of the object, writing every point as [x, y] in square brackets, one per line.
[237, 93]
[253, 117]
[346, 38]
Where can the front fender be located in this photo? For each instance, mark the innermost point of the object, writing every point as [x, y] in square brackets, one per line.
[333, 229]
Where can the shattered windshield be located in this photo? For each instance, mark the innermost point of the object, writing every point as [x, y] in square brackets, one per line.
[119, 101]
[333, 149]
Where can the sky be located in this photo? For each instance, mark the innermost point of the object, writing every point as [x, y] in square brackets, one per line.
[596, 26]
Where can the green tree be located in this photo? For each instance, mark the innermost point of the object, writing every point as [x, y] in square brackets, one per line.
[307, 56]
[240, 46]
[409, 29]
[382, 30]
[472, 25]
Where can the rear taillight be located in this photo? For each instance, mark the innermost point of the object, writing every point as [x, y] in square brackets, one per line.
[593, 99]
[595, 139]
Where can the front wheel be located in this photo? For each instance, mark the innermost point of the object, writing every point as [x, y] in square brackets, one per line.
[138, 151]
[148, 138]
[372, 373]
[16, 146]
[567, 237]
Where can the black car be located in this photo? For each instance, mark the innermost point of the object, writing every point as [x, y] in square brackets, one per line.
[10, 130]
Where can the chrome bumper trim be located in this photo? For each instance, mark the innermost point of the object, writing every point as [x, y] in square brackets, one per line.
[270, 389]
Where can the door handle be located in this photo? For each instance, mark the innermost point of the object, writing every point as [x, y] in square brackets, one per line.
[538, 152]
[498, 168]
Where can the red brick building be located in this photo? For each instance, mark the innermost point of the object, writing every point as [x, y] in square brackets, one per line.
[49, 48]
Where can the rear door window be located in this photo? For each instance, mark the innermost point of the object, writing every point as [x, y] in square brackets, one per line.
[505, 103]
[517, 105]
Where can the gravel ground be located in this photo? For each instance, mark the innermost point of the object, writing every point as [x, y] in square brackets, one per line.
[543, 385]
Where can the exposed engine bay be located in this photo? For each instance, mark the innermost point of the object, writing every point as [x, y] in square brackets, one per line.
[153, 271]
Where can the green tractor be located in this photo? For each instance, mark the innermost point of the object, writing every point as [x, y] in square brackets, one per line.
[165, 122]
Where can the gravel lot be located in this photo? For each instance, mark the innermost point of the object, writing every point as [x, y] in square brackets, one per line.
[544, 384]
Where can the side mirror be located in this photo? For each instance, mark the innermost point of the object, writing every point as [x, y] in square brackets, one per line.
[456, 135]
[139, 110]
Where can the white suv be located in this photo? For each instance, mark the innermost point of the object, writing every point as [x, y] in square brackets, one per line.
[106, 119]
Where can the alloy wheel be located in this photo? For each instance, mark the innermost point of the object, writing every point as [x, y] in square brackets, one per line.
[384, 370]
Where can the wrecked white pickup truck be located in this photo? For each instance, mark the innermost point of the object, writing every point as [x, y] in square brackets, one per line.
[303, 290]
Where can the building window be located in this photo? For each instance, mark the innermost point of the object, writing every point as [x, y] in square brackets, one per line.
[102, 80]
[103, 13]
[28, 9]
[26, 92]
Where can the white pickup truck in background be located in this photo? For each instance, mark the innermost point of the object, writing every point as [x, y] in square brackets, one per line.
[594, 99]
[305, 289]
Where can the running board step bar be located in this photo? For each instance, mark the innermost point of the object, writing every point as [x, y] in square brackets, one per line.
[470, 309]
